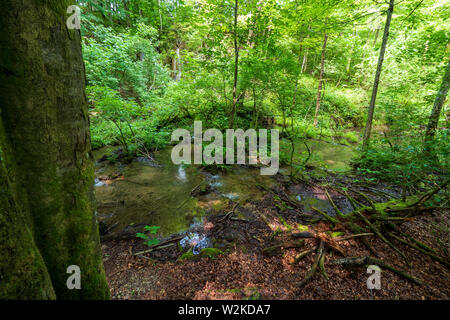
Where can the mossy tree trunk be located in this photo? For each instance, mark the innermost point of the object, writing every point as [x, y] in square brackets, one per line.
[23, 274]
[45, 122]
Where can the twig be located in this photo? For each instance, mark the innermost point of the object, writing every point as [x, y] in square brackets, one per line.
[161, 245]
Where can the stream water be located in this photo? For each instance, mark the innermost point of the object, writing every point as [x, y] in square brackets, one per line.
[160, 195]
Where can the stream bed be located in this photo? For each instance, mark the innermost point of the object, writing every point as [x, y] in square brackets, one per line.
[159, 193]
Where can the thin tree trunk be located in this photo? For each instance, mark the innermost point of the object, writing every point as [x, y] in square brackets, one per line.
[305, 61]
[45, 120]
[160, 17]
[322, 67]
[438, 103]
[368, 128]
[376, 36]
[350, 56]
[236, 65]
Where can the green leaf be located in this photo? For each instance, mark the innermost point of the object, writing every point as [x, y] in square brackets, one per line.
[141, 235]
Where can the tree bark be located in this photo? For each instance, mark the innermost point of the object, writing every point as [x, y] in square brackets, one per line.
[236, 66]
[438, 103]
[322, 67]
[45, 121]
[23, 274]
[368, 128]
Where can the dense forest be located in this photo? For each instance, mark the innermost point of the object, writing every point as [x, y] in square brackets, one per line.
[356, 88]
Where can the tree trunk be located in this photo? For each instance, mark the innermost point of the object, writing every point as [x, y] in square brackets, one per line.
[319, 90]
[236, 65]
[305, 61]
[23, 274]
[350, 56]
[160, 18]
[179, 67]
[368, 129]
[438, 103]
[45, 121]
[376, 36]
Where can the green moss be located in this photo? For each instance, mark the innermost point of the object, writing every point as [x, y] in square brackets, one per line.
[395, 203]
[211, 253]
[189, 255]
[288, 226]
[336, 234]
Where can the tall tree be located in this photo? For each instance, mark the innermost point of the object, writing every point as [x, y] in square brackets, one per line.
[438, 103]
[368, 128]
[45, 135]
[322, 67]
[236, 65]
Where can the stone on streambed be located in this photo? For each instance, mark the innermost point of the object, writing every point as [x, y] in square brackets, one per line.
[147, 161]
[99, 183]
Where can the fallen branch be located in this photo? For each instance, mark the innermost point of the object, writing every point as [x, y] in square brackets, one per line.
[159, 246]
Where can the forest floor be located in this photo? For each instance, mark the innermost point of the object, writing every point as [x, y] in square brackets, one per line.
[247, 270]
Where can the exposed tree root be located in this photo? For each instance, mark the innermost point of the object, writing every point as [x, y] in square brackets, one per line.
[322, 265]
[380, 235]
[355, 236]
[362, 261]
[313, 269]
[326, 216]
[442, 261]
[336, 209]
[353, 202]
[273, 250]
[301, 255]
[428, 195]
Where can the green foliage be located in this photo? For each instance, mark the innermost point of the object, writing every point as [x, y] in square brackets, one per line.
[404, 160]
[155, 66]
[127, 62]
[149, 235]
